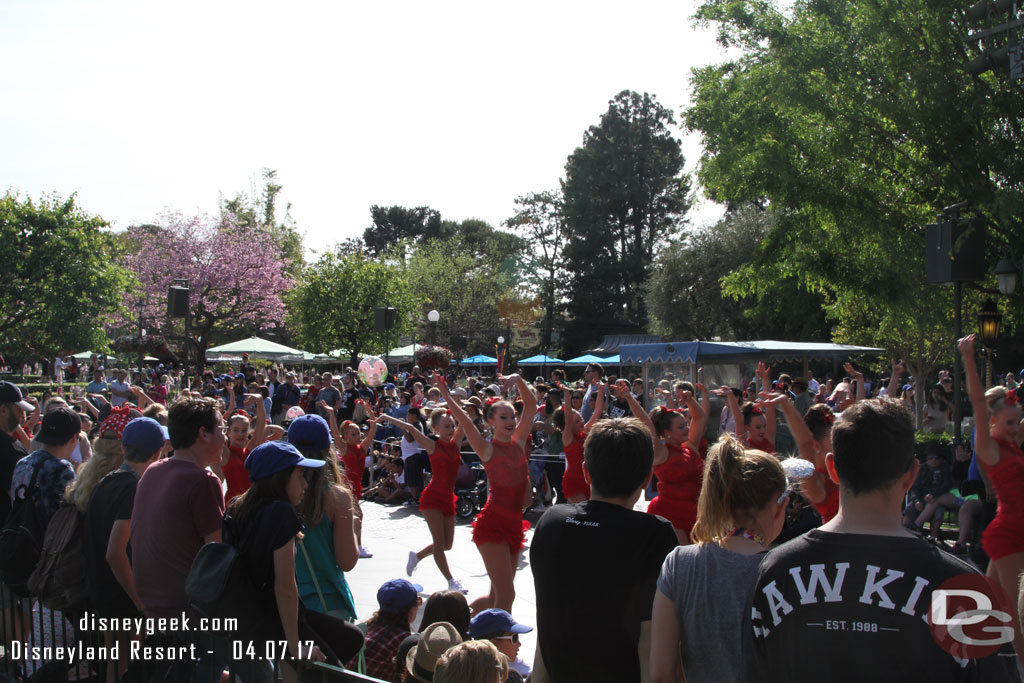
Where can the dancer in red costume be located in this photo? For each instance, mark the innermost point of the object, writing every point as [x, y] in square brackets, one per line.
[574, 486]
[499, 529]
[677, 461]
[352, 454]
[243, 436]
[997, 442]
[755, 425]
[437, 502]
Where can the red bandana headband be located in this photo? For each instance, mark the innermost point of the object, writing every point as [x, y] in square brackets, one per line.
[116, 421]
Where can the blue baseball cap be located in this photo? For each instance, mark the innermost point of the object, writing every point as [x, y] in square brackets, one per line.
[273, 457]
[495, 621]
[397, 594]
[145, 434]
[310, 431]
[389, 385]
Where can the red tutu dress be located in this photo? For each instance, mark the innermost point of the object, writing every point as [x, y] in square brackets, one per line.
[501, 520]
[829, 507]
[679, 480]
[355, 463]
[573, 483]
[1005, 534]
[235, 474]
[444, 467]
[761, 444]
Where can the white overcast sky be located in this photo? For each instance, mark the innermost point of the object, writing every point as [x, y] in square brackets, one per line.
[462, 106]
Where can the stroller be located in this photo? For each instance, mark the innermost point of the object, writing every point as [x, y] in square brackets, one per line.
[470, 488]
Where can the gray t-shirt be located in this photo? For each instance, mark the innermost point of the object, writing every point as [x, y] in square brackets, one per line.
[711, 588]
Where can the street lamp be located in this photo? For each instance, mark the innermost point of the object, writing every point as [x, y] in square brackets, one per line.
[433, 317]
[501, 353]
[989, 321]
[1006, 272]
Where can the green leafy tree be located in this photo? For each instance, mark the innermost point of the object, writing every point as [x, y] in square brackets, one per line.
[538, 218]
[686, 300]
[394, 225]
[856, 122]
[624, 195]
[332, 304]
[449, 276]
[61, 279]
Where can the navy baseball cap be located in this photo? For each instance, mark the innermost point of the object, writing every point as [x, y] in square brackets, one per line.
[310, 431]
[10, 393]
[273, 457]
[389, 385]
[145, 434]
[397, 594]
[495, 621]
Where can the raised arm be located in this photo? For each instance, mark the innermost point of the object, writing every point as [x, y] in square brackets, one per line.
[734, 408]
[422, 439]
[859, 377]
[598, 413]
[984, 446]
[371, 431]
[797, 427]
[660, 451]
[141, 396]
[698, 419]
[480, 445]
[895, 381]
[525, 426]
[259, 431]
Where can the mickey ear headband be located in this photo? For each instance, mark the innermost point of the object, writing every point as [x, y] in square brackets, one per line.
[116, 421]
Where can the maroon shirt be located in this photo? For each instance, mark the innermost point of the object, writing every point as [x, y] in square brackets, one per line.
[177, 504]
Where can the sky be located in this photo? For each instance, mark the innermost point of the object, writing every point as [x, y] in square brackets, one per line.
[141, 107]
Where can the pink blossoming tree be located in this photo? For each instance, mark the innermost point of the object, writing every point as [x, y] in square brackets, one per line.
[236, 275]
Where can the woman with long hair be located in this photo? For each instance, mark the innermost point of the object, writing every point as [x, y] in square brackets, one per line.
[328, 548]
[677, 461]
[476, 661]
[437, 502]
[499, 530]
[567, 420]
[997, 439]
[263, 524]
[107, 456]
[741, 510]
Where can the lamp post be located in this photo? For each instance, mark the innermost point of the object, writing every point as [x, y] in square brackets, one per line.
[139, 306]
[433, 317]
[989, 322]
[501, 354]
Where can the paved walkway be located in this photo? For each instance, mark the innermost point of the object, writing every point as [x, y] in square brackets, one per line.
[390, 532]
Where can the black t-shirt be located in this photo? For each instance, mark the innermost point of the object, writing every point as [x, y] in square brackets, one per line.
[111, 501]
[595, 568]
[11, 451]
[348, 404]
[619, 408]
[271, 527]
[853, 607]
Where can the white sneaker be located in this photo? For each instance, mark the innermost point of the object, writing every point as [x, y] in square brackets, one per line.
[410, 566]
[456, 585]
[363, 552]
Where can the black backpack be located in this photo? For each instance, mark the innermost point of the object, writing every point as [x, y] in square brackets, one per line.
[21, 539]
[59, 579]
[219, 587]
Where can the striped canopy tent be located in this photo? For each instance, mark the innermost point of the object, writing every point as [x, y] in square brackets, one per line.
[540, 359]
[257, 348]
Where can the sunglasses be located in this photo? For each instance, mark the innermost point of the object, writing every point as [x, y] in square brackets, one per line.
[514, 638]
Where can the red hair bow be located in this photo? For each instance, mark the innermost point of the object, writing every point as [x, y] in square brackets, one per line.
[673, 410]
[491, 401]
[756, 410]
[1011, 398]
[447, 411]
[117, 420]
[830, 418]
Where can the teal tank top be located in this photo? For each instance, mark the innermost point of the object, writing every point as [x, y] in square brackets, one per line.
[318, 542]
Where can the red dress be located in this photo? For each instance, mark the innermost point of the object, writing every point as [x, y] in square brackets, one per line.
[235, 474]
[830, 506]
[501, 520]
[573, 483]
[761, 444]
[355, 462]
[1005, 534]
[444, 467]
[679, 479]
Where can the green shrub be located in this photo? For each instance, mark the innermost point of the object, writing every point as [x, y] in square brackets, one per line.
[925, 441]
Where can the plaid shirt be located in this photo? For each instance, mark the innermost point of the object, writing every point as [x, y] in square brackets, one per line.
[382, 643]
